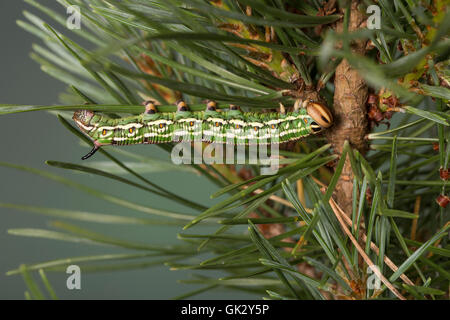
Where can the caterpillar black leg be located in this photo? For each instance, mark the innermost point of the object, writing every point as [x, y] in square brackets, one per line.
[150, 107]
[211, 105]
[182, 106]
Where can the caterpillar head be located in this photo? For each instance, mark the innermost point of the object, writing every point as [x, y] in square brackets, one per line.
[320, 115]
[83, 117]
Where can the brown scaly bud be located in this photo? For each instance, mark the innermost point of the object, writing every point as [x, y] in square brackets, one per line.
[358, 288]
[444, 173]
[391, 101]
[369, 196]
[442, 200]
[435, 146]
[332, 163]
[372, 99]
[388, 114]
[245, 173]
[370, 45]
[375, 114]
[328, 8]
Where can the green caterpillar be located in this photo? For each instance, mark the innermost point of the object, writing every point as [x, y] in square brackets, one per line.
[231, 127]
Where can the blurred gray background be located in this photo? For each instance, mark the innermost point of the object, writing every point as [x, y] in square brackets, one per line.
[30, 139]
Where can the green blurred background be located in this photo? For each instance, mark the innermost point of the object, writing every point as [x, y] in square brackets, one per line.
[30, 139]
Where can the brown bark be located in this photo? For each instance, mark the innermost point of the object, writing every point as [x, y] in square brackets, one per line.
[349, 110]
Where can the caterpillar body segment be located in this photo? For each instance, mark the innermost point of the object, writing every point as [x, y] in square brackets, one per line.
[231, 127]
